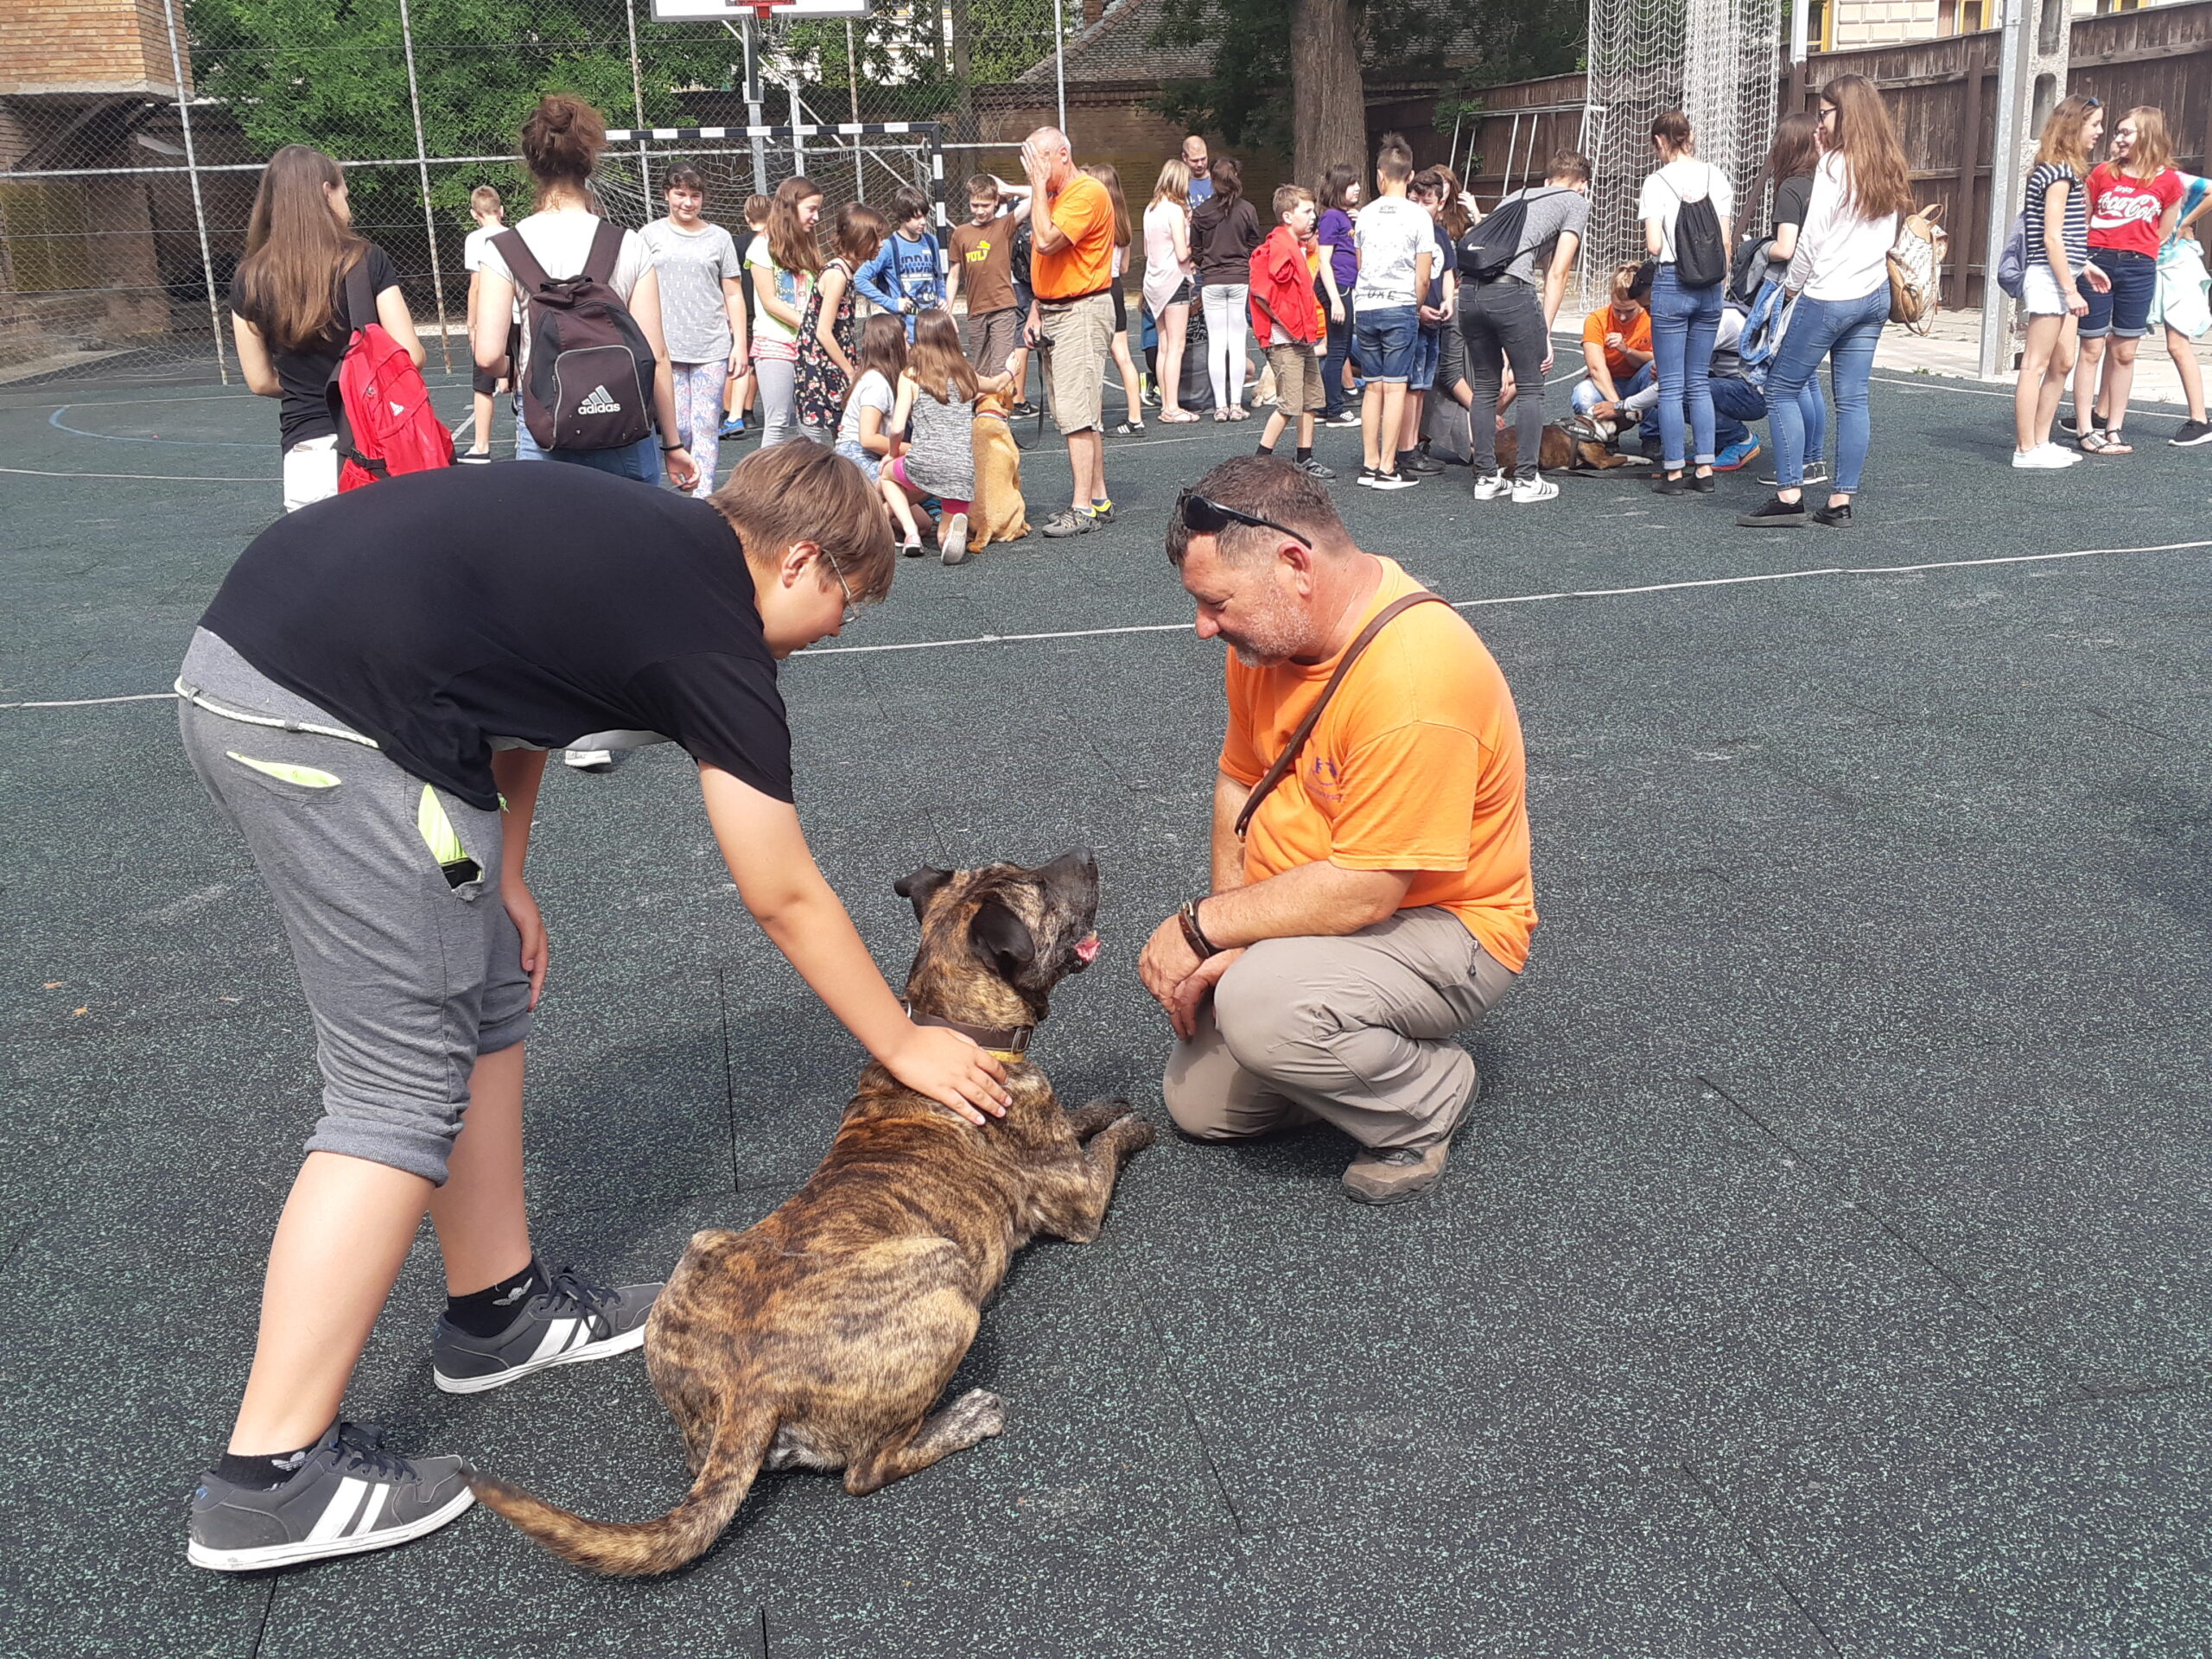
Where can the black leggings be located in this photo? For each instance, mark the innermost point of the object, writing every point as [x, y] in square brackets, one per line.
[1502, 321]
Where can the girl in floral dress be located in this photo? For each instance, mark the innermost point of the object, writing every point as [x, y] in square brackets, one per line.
[829, 333]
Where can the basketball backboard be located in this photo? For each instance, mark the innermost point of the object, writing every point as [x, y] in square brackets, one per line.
[731, 11]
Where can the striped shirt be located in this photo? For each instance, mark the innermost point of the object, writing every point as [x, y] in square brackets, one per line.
[2075, 238]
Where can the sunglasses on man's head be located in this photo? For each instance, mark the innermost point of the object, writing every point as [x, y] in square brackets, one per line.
[1203, 516]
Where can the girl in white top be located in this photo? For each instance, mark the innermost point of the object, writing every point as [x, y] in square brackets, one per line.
[1685, 318]
[560, 143]
[1168, 270]
[1839, 275]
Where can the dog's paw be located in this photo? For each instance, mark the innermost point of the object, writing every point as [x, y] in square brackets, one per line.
[1135, 1133]
[975, 1415]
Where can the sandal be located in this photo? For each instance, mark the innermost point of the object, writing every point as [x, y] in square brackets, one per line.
[2095, 441]
[1177, 417]
[2114, 444]
[1221, 414]
[1240, 413]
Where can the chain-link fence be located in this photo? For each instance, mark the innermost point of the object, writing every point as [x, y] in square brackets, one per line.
[123, 214]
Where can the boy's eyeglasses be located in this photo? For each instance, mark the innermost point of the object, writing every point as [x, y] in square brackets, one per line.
[1202, 516]
[852, 606]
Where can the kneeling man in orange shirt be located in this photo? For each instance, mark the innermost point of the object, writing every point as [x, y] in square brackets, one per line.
[1370, 895]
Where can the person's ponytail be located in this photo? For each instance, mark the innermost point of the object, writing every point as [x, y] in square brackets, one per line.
[560, 143]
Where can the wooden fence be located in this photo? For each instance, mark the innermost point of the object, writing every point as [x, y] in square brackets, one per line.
[1942, 91]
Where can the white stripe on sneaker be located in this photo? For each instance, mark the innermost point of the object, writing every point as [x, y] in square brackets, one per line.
[582, 1337]
[344, 1505]
[370, 1510]
[555, 1340]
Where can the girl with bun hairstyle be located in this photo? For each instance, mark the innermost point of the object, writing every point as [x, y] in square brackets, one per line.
[560, 143]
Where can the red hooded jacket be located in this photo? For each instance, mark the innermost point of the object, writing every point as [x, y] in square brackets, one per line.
[1283, 283]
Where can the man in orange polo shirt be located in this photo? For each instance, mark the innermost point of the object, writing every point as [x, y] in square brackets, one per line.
[1071, 271]
[1380, 902]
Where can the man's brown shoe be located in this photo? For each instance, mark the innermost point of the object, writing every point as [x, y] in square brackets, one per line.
[1395, 1175]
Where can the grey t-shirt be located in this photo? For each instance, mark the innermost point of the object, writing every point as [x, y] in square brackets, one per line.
[1552, 209]
[693, 266]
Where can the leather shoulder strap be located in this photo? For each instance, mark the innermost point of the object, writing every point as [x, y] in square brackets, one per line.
[605, 253]
[522, 264]
[1283, 762]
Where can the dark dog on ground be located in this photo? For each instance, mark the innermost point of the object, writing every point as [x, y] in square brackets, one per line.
[1563, 452]
[823, 1336]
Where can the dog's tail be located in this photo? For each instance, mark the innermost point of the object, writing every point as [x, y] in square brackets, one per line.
[641, 1548]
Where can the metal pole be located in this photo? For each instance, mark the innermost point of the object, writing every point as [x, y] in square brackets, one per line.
[853, 84]
[422, 172]
[799, 119]
[1060, 68]
[1995, 333]
[198, 208]
[1800, 19]
[638, 104]
[753, 109]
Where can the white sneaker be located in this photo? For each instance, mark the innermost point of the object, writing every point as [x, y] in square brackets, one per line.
[1539, 488]
[1489, 486]
[2044, 458]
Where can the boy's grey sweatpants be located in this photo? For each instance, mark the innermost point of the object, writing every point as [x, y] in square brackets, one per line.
[409, 978]
[1356, 1031]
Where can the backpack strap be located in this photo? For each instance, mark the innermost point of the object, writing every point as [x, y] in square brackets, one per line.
[360, 298]
[1288, 758]
[605, 253]
[522, 264]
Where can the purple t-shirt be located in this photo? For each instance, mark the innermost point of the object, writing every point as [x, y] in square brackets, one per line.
[1334, 231]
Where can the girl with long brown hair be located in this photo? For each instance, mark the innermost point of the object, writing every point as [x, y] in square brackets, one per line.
[1337, 197]
[561, 144]
[1226, 229]
[937, 410]
[1791, 162]
[1169, 272]
[785, 261]
[289, 310]
[831, 335]
[1840, 272]
[1104, 173]
[2055, 221]
[2134, 202]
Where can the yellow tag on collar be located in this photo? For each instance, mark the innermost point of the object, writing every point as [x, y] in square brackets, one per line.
[1007, 1056]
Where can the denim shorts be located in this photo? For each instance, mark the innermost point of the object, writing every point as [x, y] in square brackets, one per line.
[1388, 338]
[1428, 342]
[2124, 312]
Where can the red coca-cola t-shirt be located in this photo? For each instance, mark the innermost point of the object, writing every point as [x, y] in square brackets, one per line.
[2124, 211]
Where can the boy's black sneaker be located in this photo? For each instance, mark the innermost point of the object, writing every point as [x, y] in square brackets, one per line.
[350, 1495]
[567, 1321]
[2191, 433]
[1776, 514]
[1836, 518]
[1367, 477]
[1343, 417]
[1419, 464]
[1316, 471]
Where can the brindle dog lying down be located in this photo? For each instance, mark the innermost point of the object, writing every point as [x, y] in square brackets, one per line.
[821, 1335]
[1563, 452]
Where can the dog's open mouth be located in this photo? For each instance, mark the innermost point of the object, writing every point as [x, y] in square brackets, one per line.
[1086, 949]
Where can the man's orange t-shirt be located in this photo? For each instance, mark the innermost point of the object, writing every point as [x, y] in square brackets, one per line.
[1636, 337]
[1084, 214]
[1416, 765]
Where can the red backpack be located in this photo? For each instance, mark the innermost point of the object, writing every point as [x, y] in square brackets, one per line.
[378, 400]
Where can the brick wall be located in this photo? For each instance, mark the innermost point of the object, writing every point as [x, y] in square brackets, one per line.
[83, 45]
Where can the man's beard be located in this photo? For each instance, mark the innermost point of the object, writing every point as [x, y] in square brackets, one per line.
[1275, 635]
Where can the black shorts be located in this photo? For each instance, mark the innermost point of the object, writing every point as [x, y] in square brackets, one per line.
[486, 381]
[1121, 311]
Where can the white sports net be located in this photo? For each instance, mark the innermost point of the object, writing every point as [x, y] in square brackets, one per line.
[1717, 61]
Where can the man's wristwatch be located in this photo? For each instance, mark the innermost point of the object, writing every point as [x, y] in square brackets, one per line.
[1193, 934]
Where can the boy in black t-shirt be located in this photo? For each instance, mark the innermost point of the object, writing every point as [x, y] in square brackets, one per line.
[369, 701]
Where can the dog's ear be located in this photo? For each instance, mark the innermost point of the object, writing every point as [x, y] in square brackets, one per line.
[921, 887]
[1002, 941]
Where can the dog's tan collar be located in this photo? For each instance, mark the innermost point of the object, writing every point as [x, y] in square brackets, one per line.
[1009, 1045]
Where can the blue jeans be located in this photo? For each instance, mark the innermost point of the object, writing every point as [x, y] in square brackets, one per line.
[1684, 323]
[1586, 396]
[640, 460]
[1847, 331]
[1332, 367]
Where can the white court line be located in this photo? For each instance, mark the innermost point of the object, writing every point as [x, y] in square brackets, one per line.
[1535, 599]
[1950, 383]
[1458, 605]
[157, 478]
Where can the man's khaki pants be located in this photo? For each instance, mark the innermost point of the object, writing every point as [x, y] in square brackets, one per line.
[1356, 1031]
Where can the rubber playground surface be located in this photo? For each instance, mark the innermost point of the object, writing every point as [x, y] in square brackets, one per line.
[1823, 1273]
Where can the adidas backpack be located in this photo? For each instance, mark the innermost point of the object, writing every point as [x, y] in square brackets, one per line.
[1917, 269]
[378, 400]
[590, 381]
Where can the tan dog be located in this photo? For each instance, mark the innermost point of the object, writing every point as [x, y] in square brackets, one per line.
[998, 513]
[1563, 452]
[823, 1336]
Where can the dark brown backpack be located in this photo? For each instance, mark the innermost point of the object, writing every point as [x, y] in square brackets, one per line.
[590, 381]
